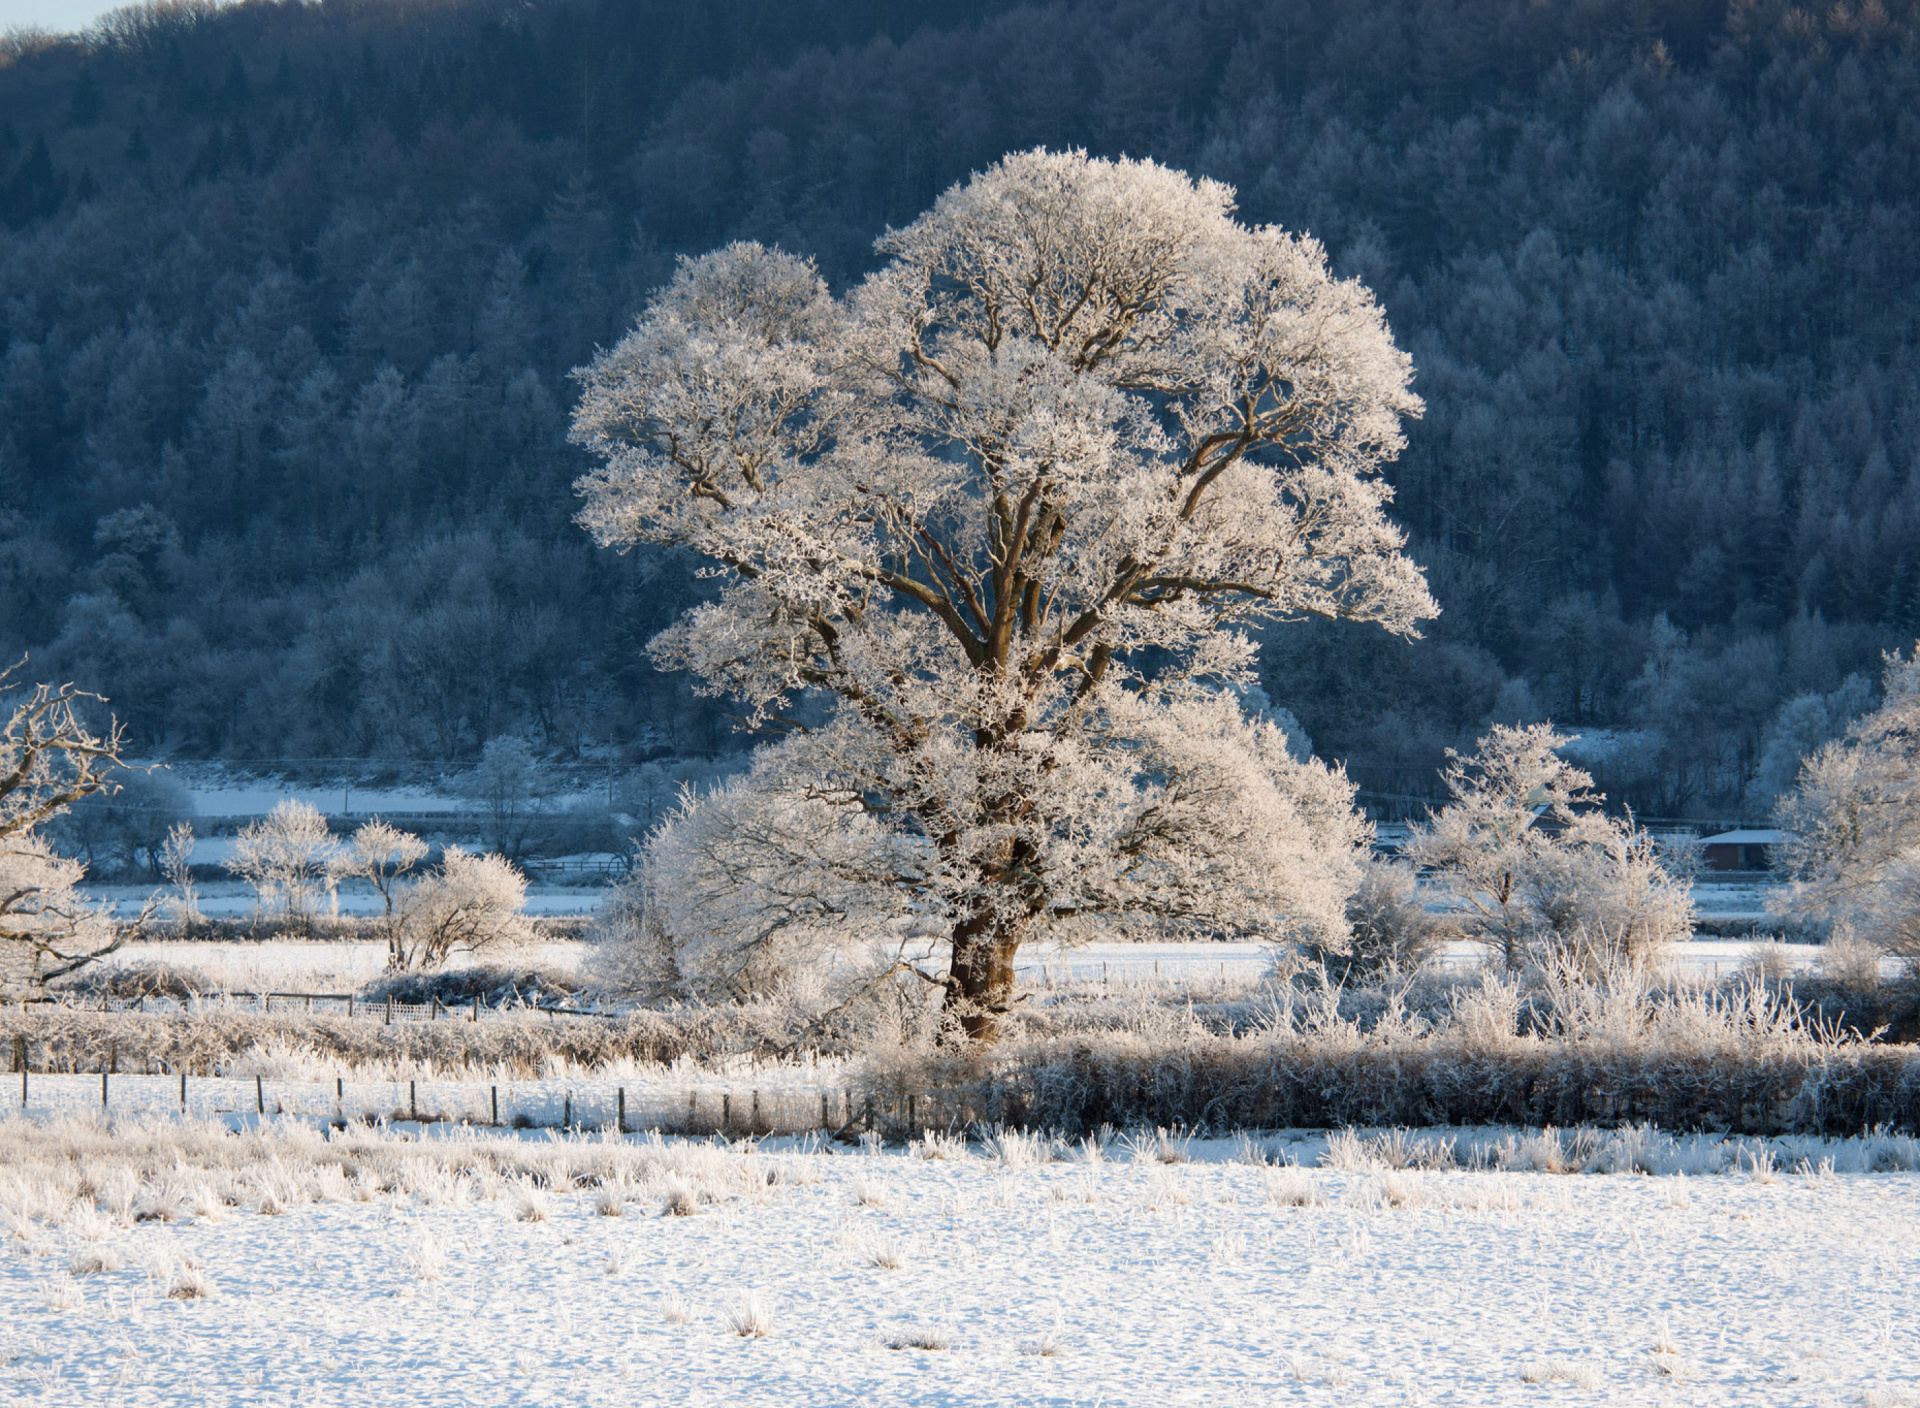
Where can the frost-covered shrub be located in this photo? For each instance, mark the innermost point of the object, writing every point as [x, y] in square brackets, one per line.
[494, 985]
[1390, 927]
[759, 893]
[1847, 960]
[468, 904]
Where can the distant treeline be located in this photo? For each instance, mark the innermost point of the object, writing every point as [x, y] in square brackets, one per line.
[289, 294]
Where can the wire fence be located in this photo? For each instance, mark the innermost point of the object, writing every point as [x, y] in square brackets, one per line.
[330, 1004]
[788, 1103]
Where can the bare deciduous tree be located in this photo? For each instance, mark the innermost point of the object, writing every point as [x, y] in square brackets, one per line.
[176, 864]
[1011, 506]
[49, 759]
[1853, 823]
[285, 857]
[1535, 871]
[381, 854]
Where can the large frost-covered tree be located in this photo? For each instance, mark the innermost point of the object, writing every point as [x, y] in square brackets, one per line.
[1012, 505]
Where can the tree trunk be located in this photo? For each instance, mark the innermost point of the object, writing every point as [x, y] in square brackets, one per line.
[980, 976]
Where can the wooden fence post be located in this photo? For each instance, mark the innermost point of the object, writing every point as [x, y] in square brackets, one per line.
[753, 1126]
[349, 1006]
[20, 1053]
[621, 1125]
[413, 1099]
[103, 1088]
[496, 1106]
[726, 1110]
[476, 1007]
[826, 1120]
[260, 1094]
[389, 1009]
[183, 1090]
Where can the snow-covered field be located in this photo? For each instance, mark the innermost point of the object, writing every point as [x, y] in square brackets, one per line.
[290, 966]
[875, 1277]
[293, 966]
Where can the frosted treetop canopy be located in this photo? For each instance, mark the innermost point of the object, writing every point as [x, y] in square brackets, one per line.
[1102, 332]
[1011, 500]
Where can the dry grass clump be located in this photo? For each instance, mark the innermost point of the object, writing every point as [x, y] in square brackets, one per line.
[1050, 1345]
[752, 1318]
[1293, 1188]
[1548, 1371]
[679, 1198]
[924, 1337]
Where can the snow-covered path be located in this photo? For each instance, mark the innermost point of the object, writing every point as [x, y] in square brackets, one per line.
[1112, 1283]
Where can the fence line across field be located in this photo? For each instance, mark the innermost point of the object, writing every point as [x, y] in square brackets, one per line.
[694, 1107]
[315, 1003]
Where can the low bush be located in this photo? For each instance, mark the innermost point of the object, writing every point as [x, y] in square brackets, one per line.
[494, 985]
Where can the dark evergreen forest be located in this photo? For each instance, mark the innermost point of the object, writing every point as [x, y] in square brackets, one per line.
[289, 294]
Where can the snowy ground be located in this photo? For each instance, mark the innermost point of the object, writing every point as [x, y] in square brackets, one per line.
[292, 966]
[885, 1279]
[289, 966]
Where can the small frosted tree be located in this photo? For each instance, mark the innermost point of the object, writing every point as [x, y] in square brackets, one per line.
[1853, 823]
[285, 857]
[49, 759]
[176, 867]
[1534, 870]
[382, 855]
[1011, 508]
[509, 787]
[468, 904]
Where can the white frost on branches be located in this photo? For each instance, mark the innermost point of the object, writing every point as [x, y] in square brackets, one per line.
[1535, 871]
[49, 759]
[1854, 822]
[1012, 503]
[285, 856]
[467, 904]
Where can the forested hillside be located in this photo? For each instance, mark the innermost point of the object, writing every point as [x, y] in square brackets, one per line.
[289, 295]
